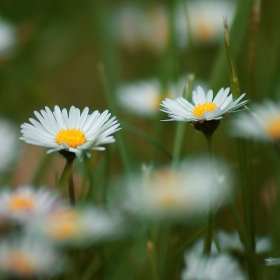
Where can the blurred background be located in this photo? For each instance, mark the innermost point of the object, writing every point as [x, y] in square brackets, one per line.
[109, 54]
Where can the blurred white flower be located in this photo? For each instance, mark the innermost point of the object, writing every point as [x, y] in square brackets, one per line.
[27, 257]
[205, 108]
[219, 267]
[8, 38]
[140, 28]
[176, 194]
[262, 122]
[74, 132]
[26, 203]
[231, 242]
[9, 144]
[205, 18]
[143, 97]
[77, 226]
[272, 261]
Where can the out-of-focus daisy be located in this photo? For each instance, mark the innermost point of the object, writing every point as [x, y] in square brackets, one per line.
[231, 242]
[140, 28]
[74, 132]
[77, 226]
[204, 107]
[219, 267]
[27, 257]
[205, 18]
[177, 194]
[8, 38]
[261, 123]
[272, 261]
[26, 203]
[9, 144]
[143, 97]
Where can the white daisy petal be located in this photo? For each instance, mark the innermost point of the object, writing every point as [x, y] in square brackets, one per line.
[72, 132]
[203, 108]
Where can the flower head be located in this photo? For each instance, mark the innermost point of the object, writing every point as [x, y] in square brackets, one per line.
[219, 267]
[26, 203]
[176, 194]
[26, 257]
[77, 226]
[74, 132]
[204, 107]
[262, 123]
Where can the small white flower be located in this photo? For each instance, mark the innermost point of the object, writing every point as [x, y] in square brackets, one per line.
[219, 267]
[74, 132]
[26, 203]
[204, 107]
[272, 261]
[261, 123]
[8, 39]
[77, 226]
[176, 194]
[231, 242]
[205, 18]
[27, 257]
[9, 145]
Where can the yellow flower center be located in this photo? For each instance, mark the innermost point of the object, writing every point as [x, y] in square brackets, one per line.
[200, 109]
[273, 129]
[20, 263]
[63, 225]
[19, 203]
[72, 137]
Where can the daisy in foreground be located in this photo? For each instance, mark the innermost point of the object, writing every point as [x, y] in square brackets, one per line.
[74, 132]
[262, 123]
[27, 257]
[205, 108]
[177, 194]
[26, 203]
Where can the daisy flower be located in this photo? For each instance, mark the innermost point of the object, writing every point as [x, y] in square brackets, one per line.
[8, 38]
[177, 194]
[77, 226]
[25, 203]
[272, 261]
[204, 107]
[74, 132]
[261, 123]
[219, 267]
[27, 257]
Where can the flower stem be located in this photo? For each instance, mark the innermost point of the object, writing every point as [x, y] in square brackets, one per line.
[68, 173]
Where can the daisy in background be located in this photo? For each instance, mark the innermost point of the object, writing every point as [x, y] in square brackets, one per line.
[26, 203]
[73, 132]
[262, 122]
[26, 257]
[9, 145]
[177, 194]
[218, 267]
[75, 226]
[143, 97]
[205, 18]
[272, 261]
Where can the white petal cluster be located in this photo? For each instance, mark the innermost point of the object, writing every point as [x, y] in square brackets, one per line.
[219, 267]
[26, 257]
[97, 129]
[182, 110]
[257, 122]
[177, 194]
[26, 203]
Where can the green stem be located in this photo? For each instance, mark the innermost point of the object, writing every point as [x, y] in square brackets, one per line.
[68, 173]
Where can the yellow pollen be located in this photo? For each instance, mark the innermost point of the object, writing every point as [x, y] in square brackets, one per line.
[19, 203]
[72, 137]
[20, 263]
[200, 109]
[273, 129]
[63, 225]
